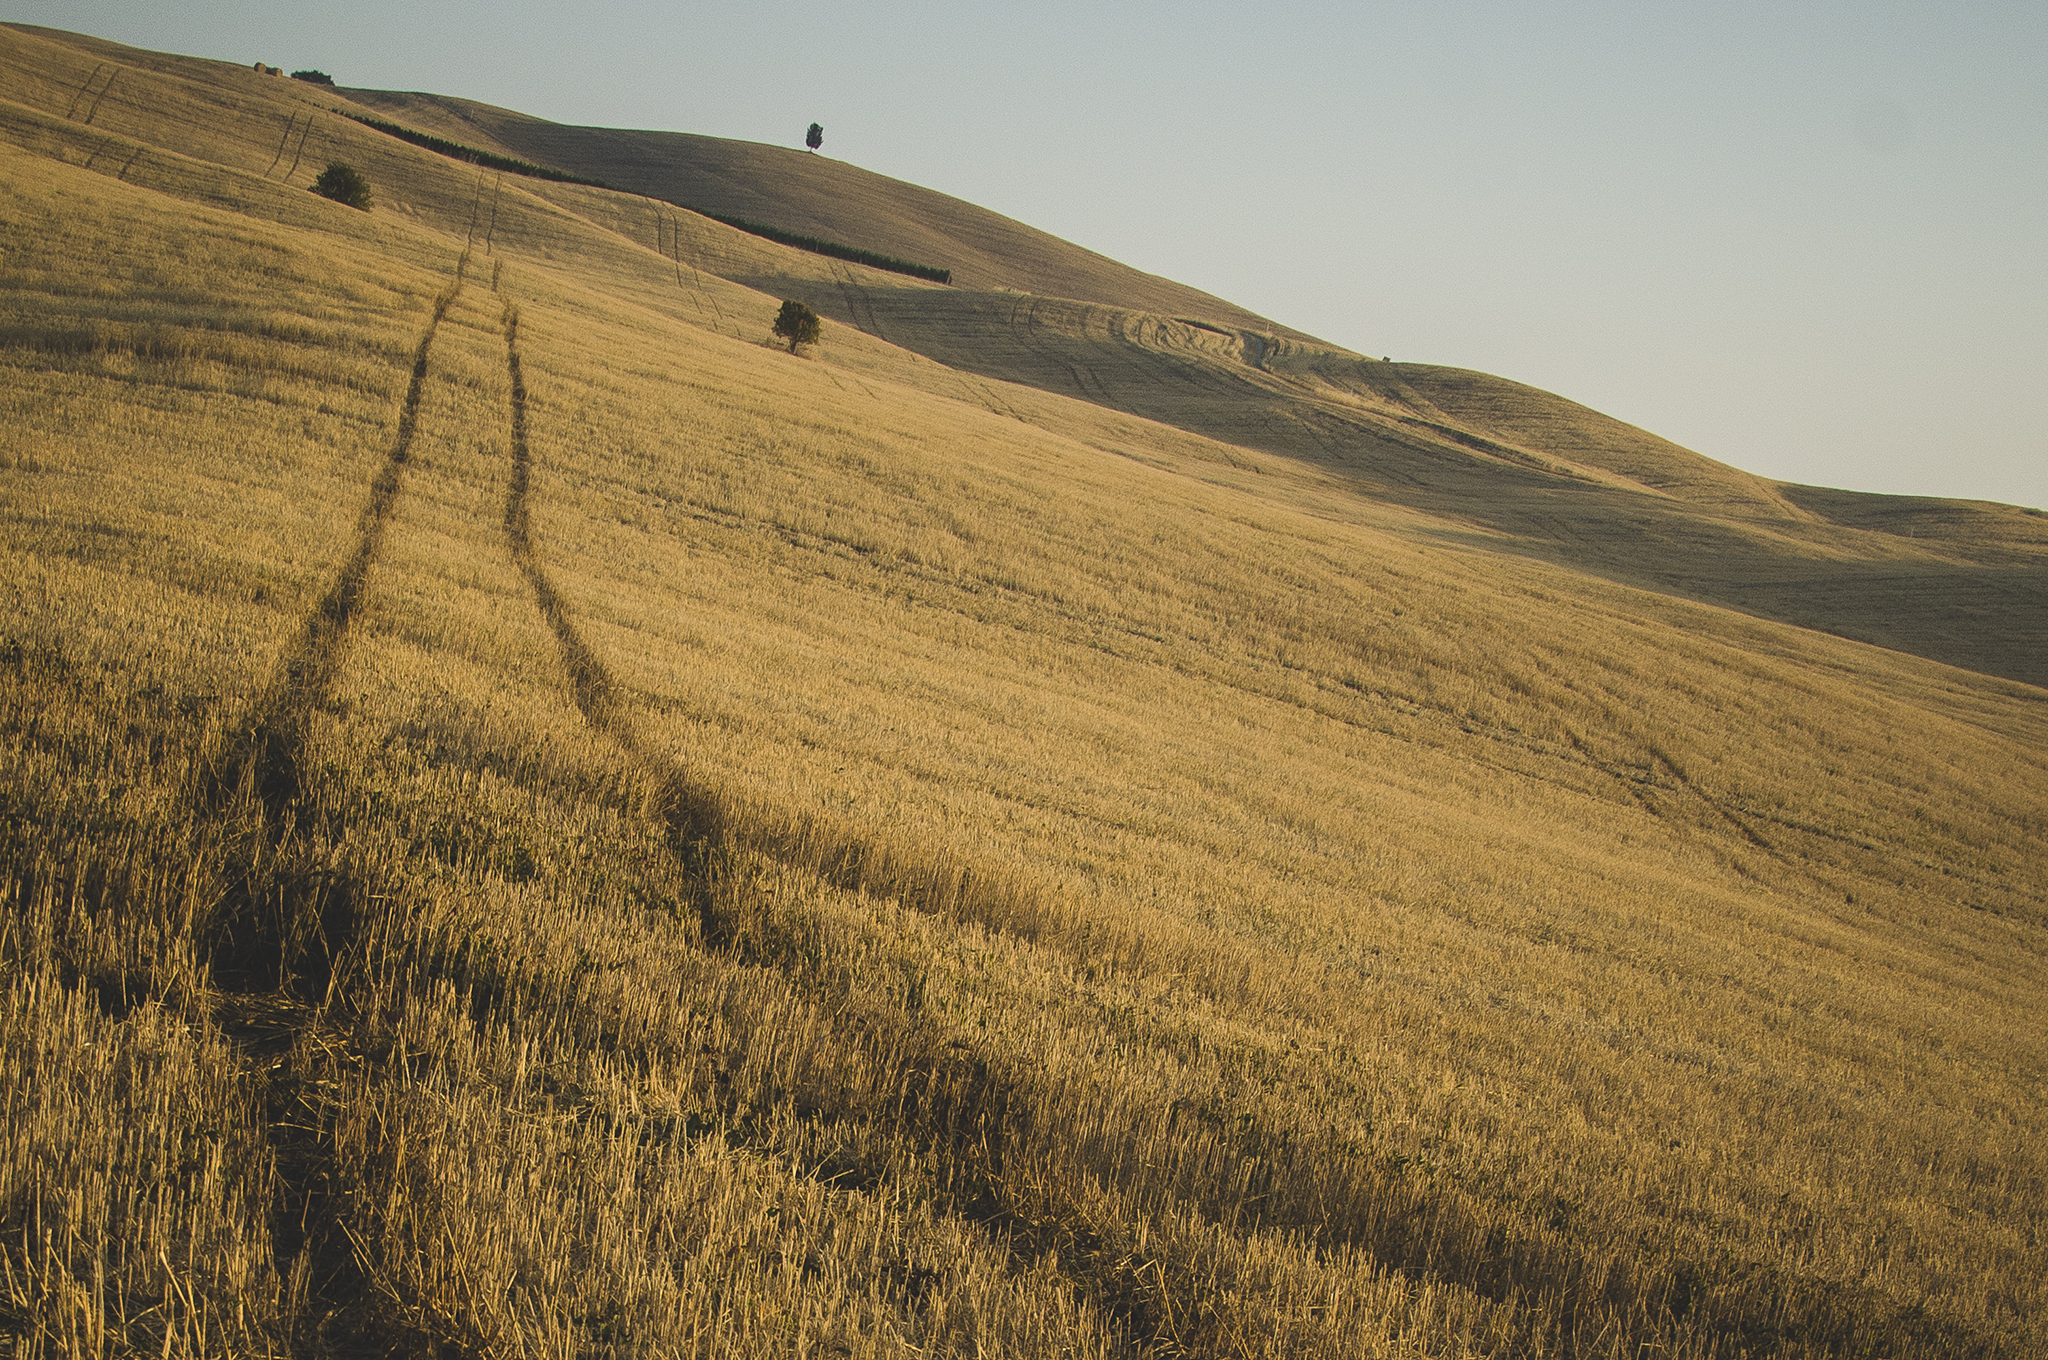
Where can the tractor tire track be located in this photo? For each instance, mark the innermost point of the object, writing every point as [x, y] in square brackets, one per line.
[98, 151]
[694, 819]
[296, 156]
[71, 109]
[700, 822]
[94, 112]
[595, 693]
[969, 383]
[857, 304]
[491, 233]
[277, 947]
[271, 764]
[698, 292]
[1087, 386]
[1634, 786]
[973, 1119]
[476, 202]
[1735, 820]
[1629, 785]
[282, 142]
[951, 1104]
[703, 825]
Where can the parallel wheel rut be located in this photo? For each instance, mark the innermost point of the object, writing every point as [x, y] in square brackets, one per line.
[276, 959]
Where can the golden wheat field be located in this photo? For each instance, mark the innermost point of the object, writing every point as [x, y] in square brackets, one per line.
[536, 821]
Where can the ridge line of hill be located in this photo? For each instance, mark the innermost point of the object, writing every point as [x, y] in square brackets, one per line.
[513, 165]
[723, 178]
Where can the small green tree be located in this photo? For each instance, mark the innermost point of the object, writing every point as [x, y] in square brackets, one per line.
[815, 138]
[344, 184]
[797, 324]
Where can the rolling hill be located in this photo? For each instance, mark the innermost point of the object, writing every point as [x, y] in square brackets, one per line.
[1965, 583]
[1069, 819]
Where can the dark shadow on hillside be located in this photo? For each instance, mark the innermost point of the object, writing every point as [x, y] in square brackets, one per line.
[1958, 582]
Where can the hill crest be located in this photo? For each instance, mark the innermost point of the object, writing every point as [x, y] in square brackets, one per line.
[818, 196]
[1536, 472]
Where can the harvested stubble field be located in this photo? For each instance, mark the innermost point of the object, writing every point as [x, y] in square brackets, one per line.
[537, 823]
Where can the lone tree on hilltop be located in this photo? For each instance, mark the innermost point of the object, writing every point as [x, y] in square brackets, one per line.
[815, 138]
[316, 77]
[344, 184]
[797, 324]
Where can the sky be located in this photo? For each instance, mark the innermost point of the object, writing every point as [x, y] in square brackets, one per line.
[1808, 239]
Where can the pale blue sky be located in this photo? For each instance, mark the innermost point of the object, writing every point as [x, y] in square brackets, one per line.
[1808, 239]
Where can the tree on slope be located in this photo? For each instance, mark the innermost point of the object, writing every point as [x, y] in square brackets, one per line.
[343, 183]
[797, 324]
[815, 138]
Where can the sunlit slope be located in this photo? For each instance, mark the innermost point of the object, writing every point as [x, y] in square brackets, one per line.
[1521, 469]
[1962, 581]
[818, 196]
[1467, 445]
[1532, 472]
[1604, 935]
[774, 854]
[144, 116]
